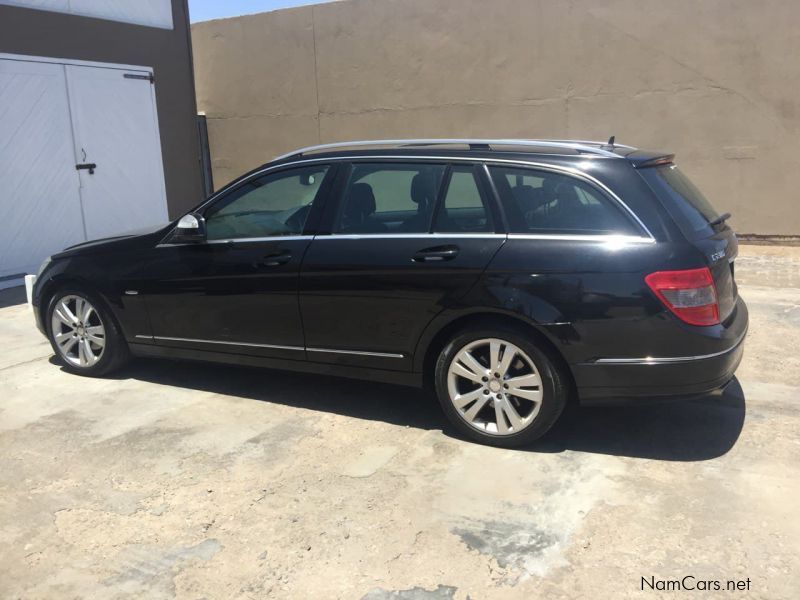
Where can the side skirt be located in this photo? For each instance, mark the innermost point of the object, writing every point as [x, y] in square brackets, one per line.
[380, 375]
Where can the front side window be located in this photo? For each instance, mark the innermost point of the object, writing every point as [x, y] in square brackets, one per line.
[273, 205]
[464, 209]
[547, 202]
[389, 198]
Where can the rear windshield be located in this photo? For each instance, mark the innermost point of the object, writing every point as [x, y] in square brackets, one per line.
[684, 202]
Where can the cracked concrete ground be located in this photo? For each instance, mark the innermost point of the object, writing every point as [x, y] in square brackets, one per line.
[197, 481]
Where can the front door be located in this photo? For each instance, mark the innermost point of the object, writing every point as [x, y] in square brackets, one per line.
[237, 292]
[406, 241]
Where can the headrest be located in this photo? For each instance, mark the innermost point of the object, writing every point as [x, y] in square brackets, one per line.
[567, 194]
[361, 200]
[423, 188]
[528, 197]
[549, 186]
[557, 187]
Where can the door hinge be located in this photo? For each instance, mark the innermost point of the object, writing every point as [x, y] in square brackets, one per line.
[149, 77]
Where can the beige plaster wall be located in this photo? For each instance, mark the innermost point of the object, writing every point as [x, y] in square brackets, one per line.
[716, 81]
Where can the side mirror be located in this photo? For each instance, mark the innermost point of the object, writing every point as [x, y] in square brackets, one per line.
[191, 228]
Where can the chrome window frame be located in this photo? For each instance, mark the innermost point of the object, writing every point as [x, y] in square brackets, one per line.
[564, 170]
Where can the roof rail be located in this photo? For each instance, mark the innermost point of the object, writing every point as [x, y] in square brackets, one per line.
[585, 147]
[594, 143]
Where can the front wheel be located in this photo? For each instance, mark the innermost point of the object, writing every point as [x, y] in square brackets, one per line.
[83, 334]
[498, 388]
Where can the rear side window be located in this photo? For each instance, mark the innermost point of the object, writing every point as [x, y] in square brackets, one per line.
[464, 209]
[546, 203]
[683, 201]
[389, 198]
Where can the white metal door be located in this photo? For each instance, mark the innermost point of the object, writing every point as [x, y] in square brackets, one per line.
[40, 206]
[115, 127]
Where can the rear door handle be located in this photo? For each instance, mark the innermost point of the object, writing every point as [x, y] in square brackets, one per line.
[273, 260]
[436, 254]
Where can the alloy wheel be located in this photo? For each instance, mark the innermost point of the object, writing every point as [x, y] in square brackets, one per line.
[495, 386]
[78, 331]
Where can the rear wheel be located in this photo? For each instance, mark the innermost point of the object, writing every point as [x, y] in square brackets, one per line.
[83, 334]
[497, 387]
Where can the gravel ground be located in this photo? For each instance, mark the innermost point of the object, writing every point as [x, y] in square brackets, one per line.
[197, 481]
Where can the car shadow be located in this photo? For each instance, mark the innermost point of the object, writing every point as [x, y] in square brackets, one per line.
[13, 296]
[696, 430]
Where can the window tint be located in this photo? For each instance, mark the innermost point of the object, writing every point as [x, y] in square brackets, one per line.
[272, 205]
[544, 202]
[389, 198]
[463, 210]
[684, 202]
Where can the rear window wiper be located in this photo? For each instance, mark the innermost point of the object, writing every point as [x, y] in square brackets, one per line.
[720, 219]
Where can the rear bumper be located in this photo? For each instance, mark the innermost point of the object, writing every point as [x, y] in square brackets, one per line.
[638, 380]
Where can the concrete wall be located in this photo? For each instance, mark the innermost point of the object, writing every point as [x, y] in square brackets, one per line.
[716, 82]
[167, 51]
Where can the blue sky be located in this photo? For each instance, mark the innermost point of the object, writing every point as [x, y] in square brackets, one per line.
[203, 10]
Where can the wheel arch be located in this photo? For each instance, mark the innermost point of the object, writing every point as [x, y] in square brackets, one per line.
[435, 338]
[55, 284]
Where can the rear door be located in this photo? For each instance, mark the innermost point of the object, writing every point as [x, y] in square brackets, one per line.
[405, 240]
[694, 215]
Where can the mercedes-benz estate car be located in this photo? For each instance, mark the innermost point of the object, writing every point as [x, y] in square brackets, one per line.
[509, 276]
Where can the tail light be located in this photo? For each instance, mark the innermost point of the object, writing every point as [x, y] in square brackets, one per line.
[690, 295]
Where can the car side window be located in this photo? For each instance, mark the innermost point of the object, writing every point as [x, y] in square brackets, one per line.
[277, 204]
[464, 208]
[547, 202]
[389, 198]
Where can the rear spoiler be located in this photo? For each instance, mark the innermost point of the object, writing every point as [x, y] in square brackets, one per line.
[654, 161]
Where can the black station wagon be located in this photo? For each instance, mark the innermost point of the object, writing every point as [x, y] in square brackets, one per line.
[508, 275]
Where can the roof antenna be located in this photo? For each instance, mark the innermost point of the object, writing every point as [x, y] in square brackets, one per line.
[611, 141]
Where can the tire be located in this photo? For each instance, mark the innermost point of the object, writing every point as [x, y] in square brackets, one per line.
[536, 408]
[84, 334]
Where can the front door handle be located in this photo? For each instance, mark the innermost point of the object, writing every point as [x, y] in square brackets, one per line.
[436, 254]
[273, 260]
[90, 166]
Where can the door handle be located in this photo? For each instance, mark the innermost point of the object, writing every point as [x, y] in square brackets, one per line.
[273, 260]
[436, 254]
[90, 166]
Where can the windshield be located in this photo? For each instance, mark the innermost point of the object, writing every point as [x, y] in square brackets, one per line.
[684, 202]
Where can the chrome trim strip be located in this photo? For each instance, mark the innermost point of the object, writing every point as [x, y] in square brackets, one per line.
[274, 346]
[577, 145]
[544, 166]
[369, 236]
[650, 360]
[357, 352]
[225, 343]
[269, 238]
[144, 337]
[606, 238]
